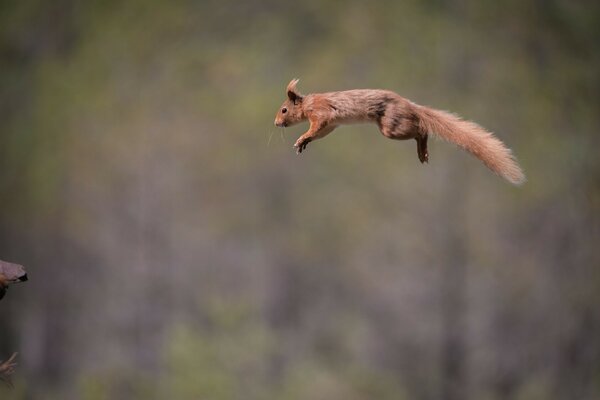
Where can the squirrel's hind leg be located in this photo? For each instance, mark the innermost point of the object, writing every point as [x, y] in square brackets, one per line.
[422, 148]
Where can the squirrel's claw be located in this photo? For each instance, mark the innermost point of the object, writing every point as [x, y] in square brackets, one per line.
[301, 145]
[422, 149]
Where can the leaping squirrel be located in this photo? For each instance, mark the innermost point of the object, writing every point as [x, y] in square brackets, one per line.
[397, 118]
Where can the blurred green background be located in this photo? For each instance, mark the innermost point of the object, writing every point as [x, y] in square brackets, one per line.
[174, 252]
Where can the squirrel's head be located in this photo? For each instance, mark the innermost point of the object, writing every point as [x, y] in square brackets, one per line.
[290, 112]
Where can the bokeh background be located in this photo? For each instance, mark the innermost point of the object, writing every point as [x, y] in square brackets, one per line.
[179, 249]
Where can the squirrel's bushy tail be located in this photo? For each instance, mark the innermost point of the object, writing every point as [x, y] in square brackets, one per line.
[473, 138]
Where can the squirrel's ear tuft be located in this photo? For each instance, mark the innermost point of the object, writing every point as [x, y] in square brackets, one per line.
[292, 93]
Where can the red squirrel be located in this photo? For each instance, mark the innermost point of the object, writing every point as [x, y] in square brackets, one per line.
[397, 118]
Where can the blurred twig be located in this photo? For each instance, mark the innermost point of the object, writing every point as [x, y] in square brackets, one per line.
[7, 368]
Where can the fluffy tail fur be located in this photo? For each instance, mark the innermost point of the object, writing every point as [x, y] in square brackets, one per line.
[473, 138]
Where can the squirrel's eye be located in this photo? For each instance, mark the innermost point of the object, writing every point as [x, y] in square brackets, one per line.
[283, 110]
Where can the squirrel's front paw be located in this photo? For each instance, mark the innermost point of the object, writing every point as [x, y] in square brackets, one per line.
[301, 144]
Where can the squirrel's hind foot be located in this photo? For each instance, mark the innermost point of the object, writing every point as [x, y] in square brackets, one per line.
[422, 148]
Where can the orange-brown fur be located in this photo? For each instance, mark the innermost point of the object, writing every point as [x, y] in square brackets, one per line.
[397, 118]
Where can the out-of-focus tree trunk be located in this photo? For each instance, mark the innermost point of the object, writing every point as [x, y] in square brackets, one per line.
[454, 377]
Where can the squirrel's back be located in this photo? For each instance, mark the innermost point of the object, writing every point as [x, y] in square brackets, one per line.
[353, 106]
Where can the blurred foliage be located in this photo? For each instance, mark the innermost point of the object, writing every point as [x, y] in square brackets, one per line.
[176, 252]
